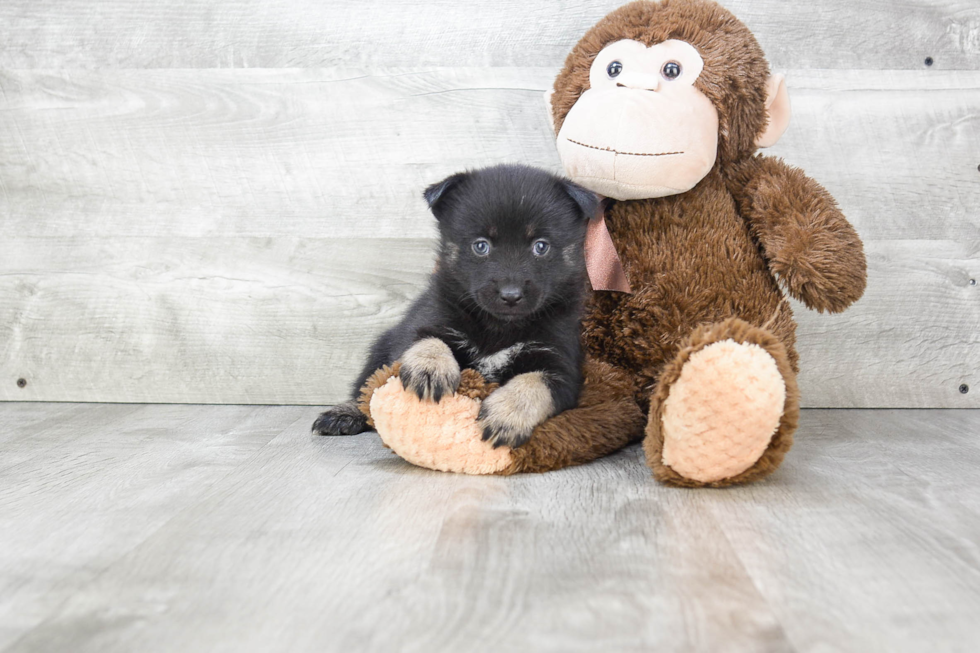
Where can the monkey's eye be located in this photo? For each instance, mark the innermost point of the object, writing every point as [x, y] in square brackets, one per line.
[614, 69]
[541, 247]
[481, 246]
[671, 70]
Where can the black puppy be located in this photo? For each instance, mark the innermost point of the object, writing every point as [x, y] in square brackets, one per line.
[506, 299]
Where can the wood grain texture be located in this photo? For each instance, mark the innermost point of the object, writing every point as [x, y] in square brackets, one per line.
[898, 150]
[338, 153]
[24, 420]
[871, 531]
[32, 433]
[172, 233]
[289, 33]
[199, 320]
[244, 320]
[345, 153]
[912, 340]
[85, 491]
[227, 528]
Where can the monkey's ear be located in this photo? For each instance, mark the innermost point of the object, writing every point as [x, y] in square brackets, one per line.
[777, 111]
[587, 201]
[548, 108]
[437, 193]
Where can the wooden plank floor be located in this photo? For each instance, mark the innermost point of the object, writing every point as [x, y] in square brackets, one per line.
[230, 528]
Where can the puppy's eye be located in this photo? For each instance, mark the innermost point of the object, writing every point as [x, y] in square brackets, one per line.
[671, 70]
[614, 69]
[481, 247]
[541, 247]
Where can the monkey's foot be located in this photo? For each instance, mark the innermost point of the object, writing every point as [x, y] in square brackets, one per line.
[724, 410]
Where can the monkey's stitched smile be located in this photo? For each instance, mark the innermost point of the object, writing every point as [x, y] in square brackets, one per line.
[609, 149]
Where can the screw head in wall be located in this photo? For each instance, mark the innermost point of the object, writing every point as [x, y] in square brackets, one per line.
[21, 383]
[964, 388]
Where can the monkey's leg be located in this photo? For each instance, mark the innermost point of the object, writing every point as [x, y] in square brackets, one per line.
[605, 420]
[724, 410]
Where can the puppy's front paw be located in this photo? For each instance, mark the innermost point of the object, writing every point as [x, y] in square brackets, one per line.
[429, 370]
[342, 419]
[510, 413]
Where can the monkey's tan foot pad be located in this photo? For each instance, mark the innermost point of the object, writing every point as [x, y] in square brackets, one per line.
[443, 436]
[722, 412]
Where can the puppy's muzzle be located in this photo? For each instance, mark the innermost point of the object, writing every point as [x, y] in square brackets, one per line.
[511, 295]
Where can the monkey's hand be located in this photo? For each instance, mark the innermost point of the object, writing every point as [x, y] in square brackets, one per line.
[808, 242]
[509, 415]
[430, 370]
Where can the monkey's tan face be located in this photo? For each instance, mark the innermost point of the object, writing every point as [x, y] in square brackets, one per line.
[642, 129]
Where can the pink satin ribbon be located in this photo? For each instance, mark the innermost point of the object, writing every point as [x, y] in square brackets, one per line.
[601, 260]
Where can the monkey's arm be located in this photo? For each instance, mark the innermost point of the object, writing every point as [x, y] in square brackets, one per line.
[808, 242]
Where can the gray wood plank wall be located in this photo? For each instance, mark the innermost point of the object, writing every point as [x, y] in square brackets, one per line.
[220, 201]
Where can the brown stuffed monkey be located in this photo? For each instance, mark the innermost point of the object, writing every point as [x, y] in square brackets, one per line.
[690, 342]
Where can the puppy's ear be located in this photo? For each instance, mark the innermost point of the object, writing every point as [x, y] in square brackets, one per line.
[587, 201]
[437, 194]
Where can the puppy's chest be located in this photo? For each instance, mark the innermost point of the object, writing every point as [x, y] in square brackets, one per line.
[496, 364]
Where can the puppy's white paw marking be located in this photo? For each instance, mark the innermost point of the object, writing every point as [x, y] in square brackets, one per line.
[430, 370]
[510, 413]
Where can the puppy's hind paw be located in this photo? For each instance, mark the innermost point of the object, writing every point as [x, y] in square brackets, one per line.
[511, 413]
[429, 370]
[342, 419]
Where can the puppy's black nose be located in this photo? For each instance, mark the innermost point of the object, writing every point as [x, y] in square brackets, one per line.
[511, 295]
